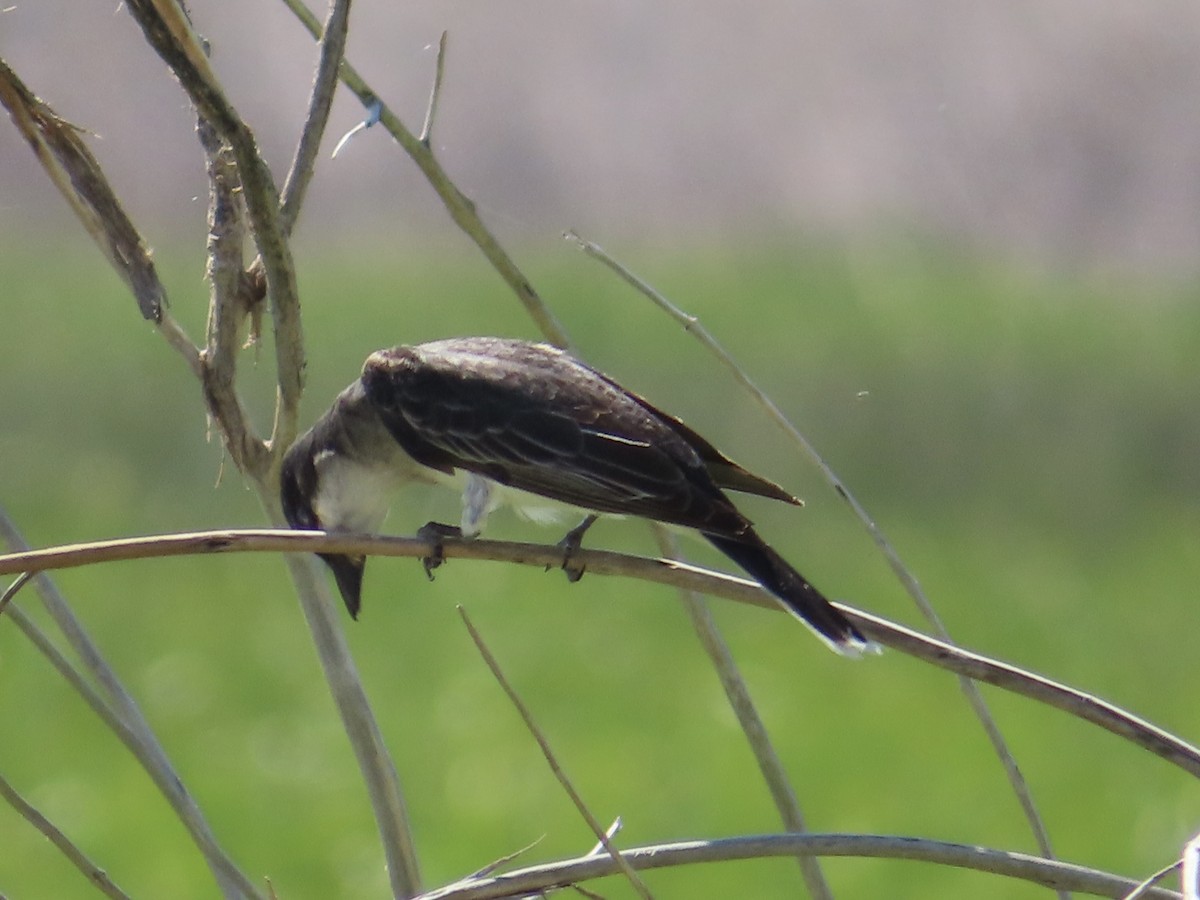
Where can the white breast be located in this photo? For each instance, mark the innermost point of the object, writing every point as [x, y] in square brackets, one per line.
[355, 496]
[351, 497]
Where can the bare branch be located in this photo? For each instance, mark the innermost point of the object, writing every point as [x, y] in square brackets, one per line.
[79, 178]
[65, 845]
[610, 832]
[692, 325]
[178, 340]
[77, 175]
[660, 571]
[435, 92]
[122, 716]
[150, 755]
[332, 49]
[1140, 892]
[505, 860]
[168, 31]
[461, 208]
[544, 745]
[1050, 873]
[228, 306]
[378, 770]
[752, 725]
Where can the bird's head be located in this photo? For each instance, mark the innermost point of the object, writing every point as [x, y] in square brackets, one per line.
[299, 489]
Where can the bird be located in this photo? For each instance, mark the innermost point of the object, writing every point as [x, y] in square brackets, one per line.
[516, 421]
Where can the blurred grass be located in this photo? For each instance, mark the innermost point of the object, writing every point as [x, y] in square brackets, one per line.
[1028, 442]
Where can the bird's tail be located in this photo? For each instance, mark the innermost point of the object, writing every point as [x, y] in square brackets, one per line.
[792, 589]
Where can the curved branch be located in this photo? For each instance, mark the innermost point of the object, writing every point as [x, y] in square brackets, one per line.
[226, 309]
[660, 571]
[1050, 873]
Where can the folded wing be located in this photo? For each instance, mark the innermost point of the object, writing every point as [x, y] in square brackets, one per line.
[529, 416]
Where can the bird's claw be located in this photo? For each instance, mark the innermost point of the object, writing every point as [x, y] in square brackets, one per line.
[569, 544]
[434, 533]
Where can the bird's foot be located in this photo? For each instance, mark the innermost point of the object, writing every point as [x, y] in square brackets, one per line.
[569, 544]
[435, 533]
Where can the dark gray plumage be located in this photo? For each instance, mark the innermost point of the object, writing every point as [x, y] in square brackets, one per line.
[525, 416]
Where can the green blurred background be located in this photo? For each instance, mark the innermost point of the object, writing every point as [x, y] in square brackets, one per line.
[955, 242]
[1027, 440]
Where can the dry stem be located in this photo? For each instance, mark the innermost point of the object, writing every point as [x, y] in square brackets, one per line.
[544, 745]
[1050, 873]
[660, 571]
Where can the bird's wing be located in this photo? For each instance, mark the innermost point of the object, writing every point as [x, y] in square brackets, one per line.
[724, 471]
[529, 416]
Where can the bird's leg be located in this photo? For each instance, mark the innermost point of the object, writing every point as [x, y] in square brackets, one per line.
[434, 533]
[479, 497]
[570, 543]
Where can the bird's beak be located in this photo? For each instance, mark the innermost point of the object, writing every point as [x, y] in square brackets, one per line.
[348, 573]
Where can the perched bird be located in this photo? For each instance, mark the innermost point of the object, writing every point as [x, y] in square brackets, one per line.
[508, 419]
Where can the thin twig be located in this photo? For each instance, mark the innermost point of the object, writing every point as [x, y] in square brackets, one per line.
[169, 32]
[332, 49]
[73, 169]
[178, 340]
[551, 760]
[78, 176]
[121, 714]
[659, 571]
[503, 860]
[227, 309]
[460, 207]
[435, 92]
[1033, 869]
[1139, 892]
[692, 325]
[232, 882]
[65, 845]
[610, 832]
[372, 118]
[11, 591]
[752, 725]
[358, 720]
